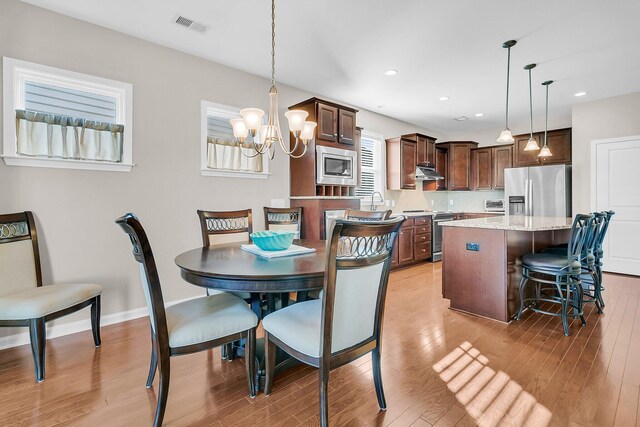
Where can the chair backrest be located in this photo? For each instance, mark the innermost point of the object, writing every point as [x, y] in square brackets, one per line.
[581, 229]
[355, 285]
[225, 227]
[19, 255]
[606, 215]
[149, 276]
[283, 219]
[367, 215]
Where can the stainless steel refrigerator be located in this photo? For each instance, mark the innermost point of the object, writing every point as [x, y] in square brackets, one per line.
[538, 190]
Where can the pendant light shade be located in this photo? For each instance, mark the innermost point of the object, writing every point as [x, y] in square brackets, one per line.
[532, 144]
[545, 151]
[505, 135]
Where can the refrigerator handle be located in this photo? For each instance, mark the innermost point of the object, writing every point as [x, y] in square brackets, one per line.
[530, 197]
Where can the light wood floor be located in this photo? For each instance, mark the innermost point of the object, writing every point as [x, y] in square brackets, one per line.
[439, 367]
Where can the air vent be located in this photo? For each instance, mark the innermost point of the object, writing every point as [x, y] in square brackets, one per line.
[461, 118]
[190, 24]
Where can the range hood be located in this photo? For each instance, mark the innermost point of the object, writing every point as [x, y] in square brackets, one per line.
[427, 174]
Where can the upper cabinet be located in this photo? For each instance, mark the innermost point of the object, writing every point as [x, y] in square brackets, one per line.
[425, 148]
[442, 158]
[458, 164]
[401, 164]
[336, 123]
[559, 142]
[488, 165]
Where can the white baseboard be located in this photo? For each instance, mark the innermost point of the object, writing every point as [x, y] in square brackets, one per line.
[63, 329]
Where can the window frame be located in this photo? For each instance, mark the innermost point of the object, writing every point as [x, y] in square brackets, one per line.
[220, 110]
[380, 139]
[16, 72]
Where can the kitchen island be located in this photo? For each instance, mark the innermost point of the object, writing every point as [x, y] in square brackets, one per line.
[481, 265]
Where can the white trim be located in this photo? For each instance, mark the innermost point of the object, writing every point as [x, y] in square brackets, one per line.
[54, 331]
[220, 110]
[14, 74]
[594, 169]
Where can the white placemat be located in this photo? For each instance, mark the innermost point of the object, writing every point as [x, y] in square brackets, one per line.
[292, 250]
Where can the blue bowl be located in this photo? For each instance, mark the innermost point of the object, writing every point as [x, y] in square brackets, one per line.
[273, 240]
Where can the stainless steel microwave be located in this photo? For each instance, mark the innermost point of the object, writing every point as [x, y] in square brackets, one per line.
[335, 166]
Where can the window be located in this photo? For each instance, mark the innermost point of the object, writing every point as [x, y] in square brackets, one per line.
[62, 119]
[370, 165]
[221, 154]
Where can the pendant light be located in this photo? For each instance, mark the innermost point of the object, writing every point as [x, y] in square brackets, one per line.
[270, 134]
[505, 135]
[532, 144]
[545, 152]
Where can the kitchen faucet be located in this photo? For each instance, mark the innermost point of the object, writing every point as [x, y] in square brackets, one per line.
[374, 207]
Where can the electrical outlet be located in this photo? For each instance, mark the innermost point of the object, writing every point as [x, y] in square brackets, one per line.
[432, 203]
[451, 202]
[473, 247]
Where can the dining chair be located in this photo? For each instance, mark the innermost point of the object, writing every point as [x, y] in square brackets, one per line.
[24, 301]
[347, 322]
[283, 219]
[367, 215]
[187, 327]
[565, 269]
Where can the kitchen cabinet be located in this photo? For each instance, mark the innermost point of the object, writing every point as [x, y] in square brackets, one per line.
[336, 123]
[458, 164]
[488, 165]
[425, 149]
[559, 142]
[401, 164]
[413, 243]
[441, 160]
[405, 245]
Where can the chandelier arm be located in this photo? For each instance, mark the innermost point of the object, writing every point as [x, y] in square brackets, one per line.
[300, 155]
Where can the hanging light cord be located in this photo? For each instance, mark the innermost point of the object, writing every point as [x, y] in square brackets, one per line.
[546, 116]
[506, 119]
[530, 106]
[273, 43]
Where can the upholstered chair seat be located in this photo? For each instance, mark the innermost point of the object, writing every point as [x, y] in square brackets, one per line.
[298, 325]
[44, 300]
[208, 318]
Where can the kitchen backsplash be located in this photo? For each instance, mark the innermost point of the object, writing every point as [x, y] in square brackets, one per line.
[458, 201]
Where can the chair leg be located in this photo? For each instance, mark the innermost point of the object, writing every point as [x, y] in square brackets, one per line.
[579, 299]
[377, 378]
[165, 370]
[269, 363]
[324, 394]
[523, 282]
[563, 301]
[38, 335]
[95, 321]
[250, 361]
[153, 366]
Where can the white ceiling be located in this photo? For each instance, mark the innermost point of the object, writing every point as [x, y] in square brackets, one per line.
[341, 48]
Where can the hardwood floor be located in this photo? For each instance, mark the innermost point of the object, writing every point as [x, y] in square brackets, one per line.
[440, 368]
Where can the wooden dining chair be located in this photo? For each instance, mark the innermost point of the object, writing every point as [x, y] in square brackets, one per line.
[24, 301]
[223, 227]
[367, 215]
[347, 323]
[283, 219]
[187, 327]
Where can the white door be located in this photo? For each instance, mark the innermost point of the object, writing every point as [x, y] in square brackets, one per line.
[615, 182]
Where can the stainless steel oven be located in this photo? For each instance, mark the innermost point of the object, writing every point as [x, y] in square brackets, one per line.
[436, 233]
[335, 166]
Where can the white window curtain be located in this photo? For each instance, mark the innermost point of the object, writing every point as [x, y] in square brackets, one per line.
[228, 155]
[49, 135]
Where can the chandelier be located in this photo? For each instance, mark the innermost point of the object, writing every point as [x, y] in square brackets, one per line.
[265, 137]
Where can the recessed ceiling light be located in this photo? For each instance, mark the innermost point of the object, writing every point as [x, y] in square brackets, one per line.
[479, 114]
[391, 72]
[580, 94]
[380, 106]
[444, 98]
[461, 118]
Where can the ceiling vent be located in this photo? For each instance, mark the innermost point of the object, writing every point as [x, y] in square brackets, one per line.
[196, 26]
[461, 118]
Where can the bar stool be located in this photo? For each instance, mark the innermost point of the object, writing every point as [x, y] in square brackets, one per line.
[565, 269]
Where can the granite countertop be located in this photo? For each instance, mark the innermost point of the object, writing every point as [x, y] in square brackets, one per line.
[322, 197]
[514, 223]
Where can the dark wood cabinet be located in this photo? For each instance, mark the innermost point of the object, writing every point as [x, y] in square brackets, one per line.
[413, 243]
[327, 123]
[488, 165]
[401, 164]
[458, 164]
[425, 149]
[442, 161]
[405, 245]
[559, 142]
[346, 127]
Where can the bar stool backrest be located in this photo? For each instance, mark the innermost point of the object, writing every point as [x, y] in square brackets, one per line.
[591, 238]
[581, 229]
[598, 252]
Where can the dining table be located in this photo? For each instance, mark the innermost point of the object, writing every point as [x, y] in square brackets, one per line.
[230, 268]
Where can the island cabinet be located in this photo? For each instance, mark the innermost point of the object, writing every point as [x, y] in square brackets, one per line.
[558, 140]
[336, 123]
[413, 243]
[458, 164]
[488, 165]
[401, 164]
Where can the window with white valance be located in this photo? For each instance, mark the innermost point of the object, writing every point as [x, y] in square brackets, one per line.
[221, 154]
[62, 119]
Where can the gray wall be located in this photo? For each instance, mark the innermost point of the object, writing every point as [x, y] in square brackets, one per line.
[75, 210]
[606, 118]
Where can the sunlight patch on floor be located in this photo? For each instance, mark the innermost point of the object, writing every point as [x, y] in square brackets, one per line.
[490, 398]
